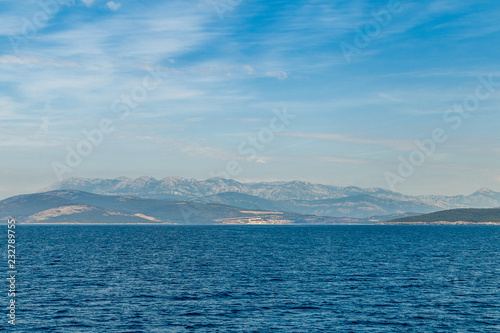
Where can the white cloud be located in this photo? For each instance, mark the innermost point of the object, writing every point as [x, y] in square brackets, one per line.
[9, 24]
[88, 3]
[8, 109]
[17, 141]
[8, 59]
[14, 60]
[113, 5]
[190, 147]
[280, 75]
[343, 160]
[195, 120]
[249, 69]
[397, 144]
[253, 120]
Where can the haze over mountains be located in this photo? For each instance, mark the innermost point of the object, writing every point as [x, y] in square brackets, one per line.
[295, 196]
[78, 207]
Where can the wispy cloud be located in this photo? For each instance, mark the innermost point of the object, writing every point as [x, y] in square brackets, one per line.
[189, 147]
[88, 2]
[114, 6]
[343, 160]
[225, 77]
[398, 144]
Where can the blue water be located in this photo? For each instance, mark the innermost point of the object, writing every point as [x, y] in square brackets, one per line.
[257, 279]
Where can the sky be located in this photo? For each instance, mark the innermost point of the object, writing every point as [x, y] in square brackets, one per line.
[401, 95]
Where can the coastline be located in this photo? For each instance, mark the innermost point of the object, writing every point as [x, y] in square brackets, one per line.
[440, 223]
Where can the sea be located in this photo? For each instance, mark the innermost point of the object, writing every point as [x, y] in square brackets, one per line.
[146, 278]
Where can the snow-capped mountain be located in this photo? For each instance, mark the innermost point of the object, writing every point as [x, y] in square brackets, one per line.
[294, 196]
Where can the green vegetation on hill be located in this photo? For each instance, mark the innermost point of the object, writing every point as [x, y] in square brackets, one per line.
[472, 215]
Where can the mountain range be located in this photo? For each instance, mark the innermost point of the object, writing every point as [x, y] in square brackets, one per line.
[295, 196]
[72, 206]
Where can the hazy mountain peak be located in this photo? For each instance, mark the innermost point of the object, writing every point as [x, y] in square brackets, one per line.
[146, 178]
[172, 178]
[485, 191]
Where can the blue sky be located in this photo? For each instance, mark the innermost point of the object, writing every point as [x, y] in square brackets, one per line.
[226, 65]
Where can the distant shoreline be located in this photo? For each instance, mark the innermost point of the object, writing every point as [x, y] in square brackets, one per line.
[440, 223]
[194, 224]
